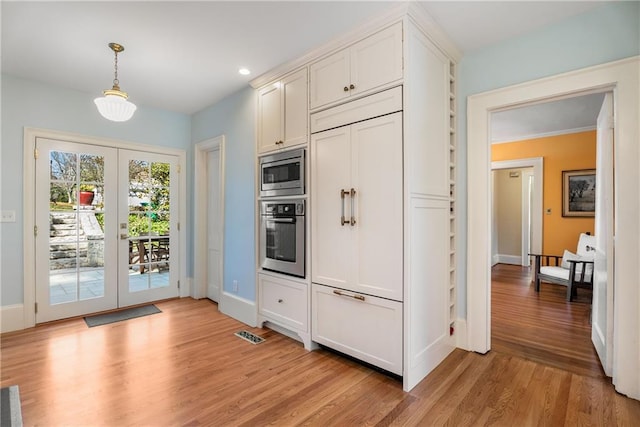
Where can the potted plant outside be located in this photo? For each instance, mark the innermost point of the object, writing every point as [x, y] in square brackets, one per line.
[86, 195]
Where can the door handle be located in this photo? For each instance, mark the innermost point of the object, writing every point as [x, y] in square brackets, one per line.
[356, 296]
[124, 236]
[343, 193]
[353, 196]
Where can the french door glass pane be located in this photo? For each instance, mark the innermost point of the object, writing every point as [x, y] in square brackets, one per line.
[76, 227]
[149, 242]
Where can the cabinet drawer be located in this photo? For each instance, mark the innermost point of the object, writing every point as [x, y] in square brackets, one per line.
[369, 328]
[283, 301]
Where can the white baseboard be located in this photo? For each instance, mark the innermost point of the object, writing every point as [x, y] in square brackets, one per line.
[509, 259]
[462, 341]
[495, 260]
[185, 287]
[11, 318]
[239, 308]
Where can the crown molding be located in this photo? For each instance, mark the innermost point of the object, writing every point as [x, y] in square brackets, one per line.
[412, 9]
[420, 16]
[544, 135]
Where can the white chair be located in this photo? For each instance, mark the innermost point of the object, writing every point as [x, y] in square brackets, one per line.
[574, 270]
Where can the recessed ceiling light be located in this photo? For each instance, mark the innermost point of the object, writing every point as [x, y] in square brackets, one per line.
[244, 71]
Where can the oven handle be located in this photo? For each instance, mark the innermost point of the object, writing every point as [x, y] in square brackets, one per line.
[283, 220]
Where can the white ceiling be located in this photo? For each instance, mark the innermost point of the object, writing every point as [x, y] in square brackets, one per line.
[183, 56]
[569, 115]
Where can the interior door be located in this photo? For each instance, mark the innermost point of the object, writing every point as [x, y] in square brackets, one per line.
[603, 279]
[147, 227]
[76, 220]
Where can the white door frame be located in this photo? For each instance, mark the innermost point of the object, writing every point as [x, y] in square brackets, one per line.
[200, 202]
[537, 163]
[28, 205]
[621, 77]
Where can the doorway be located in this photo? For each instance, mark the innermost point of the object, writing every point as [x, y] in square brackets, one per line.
[541, 326]
[622, 78]
[105, 225]
[209, 217]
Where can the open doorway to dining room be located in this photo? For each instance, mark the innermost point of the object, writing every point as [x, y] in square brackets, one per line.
[555, 136]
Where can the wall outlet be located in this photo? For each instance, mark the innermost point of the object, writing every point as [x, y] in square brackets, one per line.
[235, 286]
[8, 216]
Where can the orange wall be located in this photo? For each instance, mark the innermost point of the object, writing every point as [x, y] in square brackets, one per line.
[563, 152]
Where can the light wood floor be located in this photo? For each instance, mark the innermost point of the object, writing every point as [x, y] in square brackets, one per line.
[543, 327]
[184, 366]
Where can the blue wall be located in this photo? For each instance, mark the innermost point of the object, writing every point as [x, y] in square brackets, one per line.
[30, 104]
[234, 117]
[604, 34]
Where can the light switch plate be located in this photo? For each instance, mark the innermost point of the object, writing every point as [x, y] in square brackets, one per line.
[8, 216]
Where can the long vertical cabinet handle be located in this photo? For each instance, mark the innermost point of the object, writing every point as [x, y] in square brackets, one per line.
[343, 193]
[353, 196]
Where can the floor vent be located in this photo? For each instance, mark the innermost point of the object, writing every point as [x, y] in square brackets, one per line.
[252, 338]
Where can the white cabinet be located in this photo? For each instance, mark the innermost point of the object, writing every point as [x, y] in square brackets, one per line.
[366, 65]
[381, 197]
[283, 113]
[356, 201]
[285, 303]
[362, 326]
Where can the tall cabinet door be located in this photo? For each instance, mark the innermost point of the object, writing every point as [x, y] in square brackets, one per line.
[331, 246]
[296, 109]
[270, 118]
[376, 176]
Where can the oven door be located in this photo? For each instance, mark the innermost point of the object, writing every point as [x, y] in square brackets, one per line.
[282, 244]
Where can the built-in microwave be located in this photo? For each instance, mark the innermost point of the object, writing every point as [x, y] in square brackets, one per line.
[282, 174]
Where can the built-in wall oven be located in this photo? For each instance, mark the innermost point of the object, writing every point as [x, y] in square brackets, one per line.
[282, 174]
[282, 236]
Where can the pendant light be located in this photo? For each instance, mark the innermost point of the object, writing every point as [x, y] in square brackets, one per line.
[114, 105]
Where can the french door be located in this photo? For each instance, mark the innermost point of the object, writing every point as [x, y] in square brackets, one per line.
[105, 228]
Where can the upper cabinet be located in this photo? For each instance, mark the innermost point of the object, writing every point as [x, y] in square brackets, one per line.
[283, 114]
[359, 68]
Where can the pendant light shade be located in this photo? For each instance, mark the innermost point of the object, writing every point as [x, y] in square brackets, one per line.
[114, 105]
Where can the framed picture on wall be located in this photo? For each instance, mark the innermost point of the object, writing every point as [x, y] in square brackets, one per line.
[579, 193]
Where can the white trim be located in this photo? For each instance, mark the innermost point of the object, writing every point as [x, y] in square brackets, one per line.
[537, 163]
[28, 206]
[11, 318]
[623, 78]
[508, 259]
[201, 195]
[543, 135]
[186, 287]
[461, 334]
[239, 308]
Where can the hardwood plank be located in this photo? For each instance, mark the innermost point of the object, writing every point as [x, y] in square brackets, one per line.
[184, 366]
[543, 327]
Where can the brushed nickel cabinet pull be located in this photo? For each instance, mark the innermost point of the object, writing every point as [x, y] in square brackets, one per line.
[356, 296]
